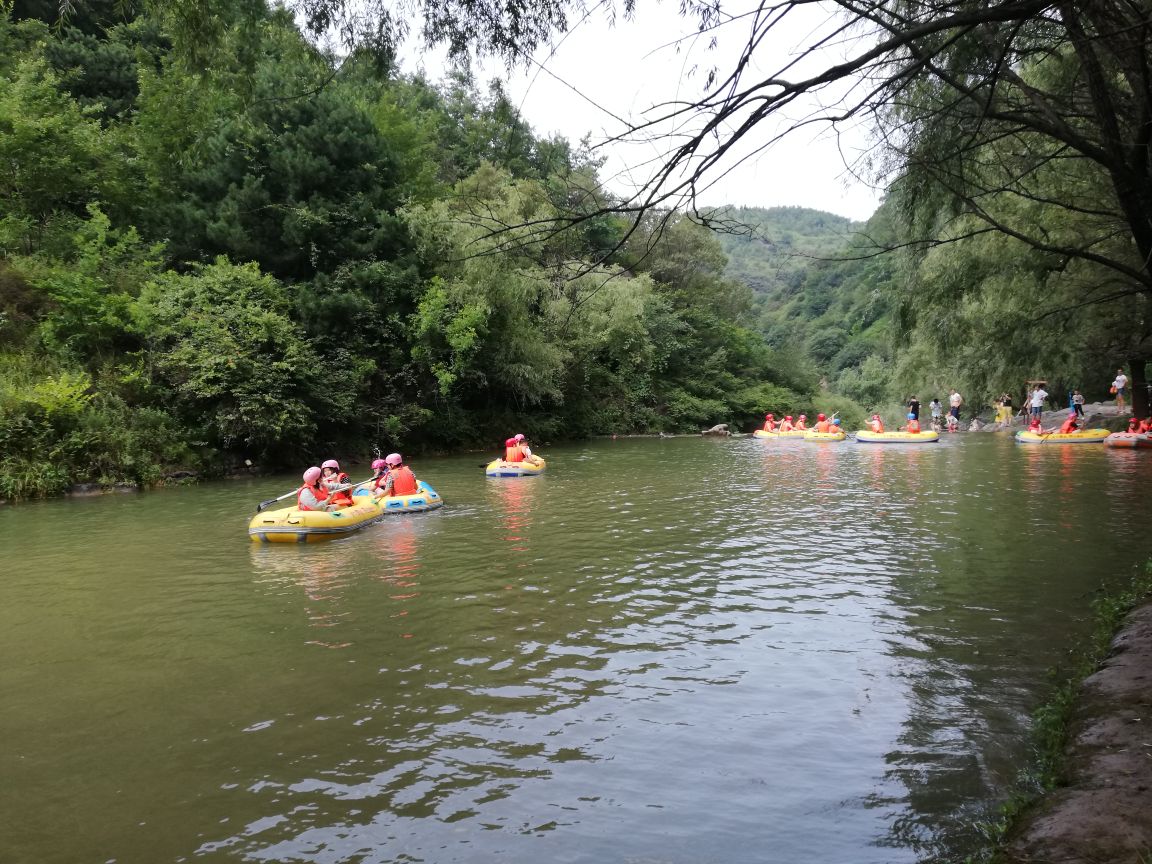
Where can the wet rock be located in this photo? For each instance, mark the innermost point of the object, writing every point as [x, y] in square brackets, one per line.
[720, 429]
[86, 489]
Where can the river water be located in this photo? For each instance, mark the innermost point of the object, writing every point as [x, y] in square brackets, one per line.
[660, 652]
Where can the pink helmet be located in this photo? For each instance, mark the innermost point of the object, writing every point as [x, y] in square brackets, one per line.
[330, 463]
[377, 464]
[519, 436]
[312, 475]
[393, 459]
[769, 416]
[803, 416]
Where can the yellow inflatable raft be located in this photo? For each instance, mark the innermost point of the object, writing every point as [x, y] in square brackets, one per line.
[1084, 436]
[290, 525]
[867, 436]
[812, 435]
[794, 433]
[501, 468]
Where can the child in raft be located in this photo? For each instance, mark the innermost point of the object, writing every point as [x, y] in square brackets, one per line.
[913, 424]
[769, 423]
[1139, 427]
[399, 480]
[333, 478]
[802, 423]
[822, 424]
[1071, 423]
[876, 424]
[786, 424]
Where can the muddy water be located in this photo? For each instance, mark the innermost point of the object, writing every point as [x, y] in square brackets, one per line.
[671, 651]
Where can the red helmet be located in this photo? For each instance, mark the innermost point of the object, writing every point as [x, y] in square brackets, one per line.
[330, 463]
[393, 459]
[820, 417]
[769, 416]
[312, 475]
[508, 442]
[875, 416]
[788, 417]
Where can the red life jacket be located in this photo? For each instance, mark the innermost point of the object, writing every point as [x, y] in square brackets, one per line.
[913, 426]
[403, 481]
[1069, 426]
[513, 453]
[318, 490]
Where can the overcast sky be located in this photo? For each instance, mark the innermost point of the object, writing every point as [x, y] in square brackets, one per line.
[627, 68]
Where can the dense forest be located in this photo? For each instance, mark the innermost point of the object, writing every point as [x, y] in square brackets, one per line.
[273, 254]
[283, 255]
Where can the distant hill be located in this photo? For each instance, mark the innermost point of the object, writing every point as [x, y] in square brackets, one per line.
[814, 300]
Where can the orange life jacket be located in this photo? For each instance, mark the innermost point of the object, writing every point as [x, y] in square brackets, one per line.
[1069, 426]
[403, 481]
[823, 426]
[913, 426]
[877, 425]
[319, 490]
[343, 498]
[513, 453]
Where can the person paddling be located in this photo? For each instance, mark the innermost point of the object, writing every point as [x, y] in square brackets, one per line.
[333, 478]
[313, 494]
[399, 480]
[526, 451]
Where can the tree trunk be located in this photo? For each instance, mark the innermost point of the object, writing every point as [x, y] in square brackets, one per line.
[1140, 385]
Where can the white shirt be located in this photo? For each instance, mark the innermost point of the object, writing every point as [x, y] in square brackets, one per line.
[1121, 381]
[1038, 397]
[954, 400]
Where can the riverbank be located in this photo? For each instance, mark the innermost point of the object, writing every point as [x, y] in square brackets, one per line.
[1094, 742]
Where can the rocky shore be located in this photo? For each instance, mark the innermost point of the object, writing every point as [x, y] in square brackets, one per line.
[1103, 815]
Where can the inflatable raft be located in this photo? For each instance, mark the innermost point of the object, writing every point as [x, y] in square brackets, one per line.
[424, 498]
[290, 525]
[1084, 436]
[1129, 439]
[793, 433]
[867, 436]
[502, 468]
[811, 435]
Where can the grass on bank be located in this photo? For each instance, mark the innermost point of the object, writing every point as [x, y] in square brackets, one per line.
[1052, 721]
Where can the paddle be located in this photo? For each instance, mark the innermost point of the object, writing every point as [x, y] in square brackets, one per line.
[263, 504]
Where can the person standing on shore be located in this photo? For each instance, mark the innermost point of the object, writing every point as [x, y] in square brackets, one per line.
[1078, 403]
[1036, 402]
[955, 400]
[914, 408]
[1119, 385]
[1009, 408]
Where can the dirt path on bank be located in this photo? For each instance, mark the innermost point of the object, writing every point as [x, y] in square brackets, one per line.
[1104, 814]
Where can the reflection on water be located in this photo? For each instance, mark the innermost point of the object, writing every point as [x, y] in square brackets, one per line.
[677, 650]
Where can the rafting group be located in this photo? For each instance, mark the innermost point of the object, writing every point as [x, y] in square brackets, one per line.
[826, 429]
[1072, 431]
[329, 504]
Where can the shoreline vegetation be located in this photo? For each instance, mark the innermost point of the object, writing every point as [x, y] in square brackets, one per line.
[1083, 798]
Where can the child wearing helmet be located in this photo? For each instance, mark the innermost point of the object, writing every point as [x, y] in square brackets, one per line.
[876, 424]
[1071, 423]
[913, 424]
[786, 424]
[313, 494]
[802, 423]
[822, 424]
[380, 467]
[769, 422]
[333, 478]
[526, 451]
[400, 480]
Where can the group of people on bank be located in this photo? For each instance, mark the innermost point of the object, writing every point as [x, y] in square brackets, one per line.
[800, 424]
[328, 488]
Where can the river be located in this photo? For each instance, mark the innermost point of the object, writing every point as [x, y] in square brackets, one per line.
[660, 652]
